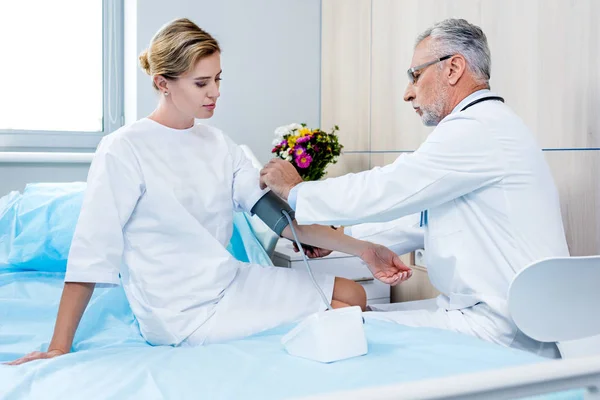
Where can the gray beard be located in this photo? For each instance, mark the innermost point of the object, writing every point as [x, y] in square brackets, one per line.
[433, 115]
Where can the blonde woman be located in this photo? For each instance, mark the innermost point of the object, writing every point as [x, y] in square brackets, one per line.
[157, 217]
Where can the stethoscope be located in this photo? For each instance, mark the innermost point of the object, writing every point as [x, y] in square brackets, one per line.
[481, 100]
[424, 217]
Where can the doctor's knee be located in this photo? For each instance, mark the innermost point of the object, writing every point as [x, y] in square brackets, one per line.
[346, 292]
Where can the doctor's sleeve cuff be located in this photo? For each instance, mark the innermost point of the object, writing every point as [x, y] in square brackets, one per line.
[402, 235]
[293, 196]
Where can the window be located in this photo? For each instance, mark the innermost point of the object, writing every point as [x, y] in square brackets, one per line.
[62, 72]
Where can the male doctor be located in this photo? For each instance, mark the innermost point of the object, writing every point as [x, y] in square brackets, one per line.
[477, 194]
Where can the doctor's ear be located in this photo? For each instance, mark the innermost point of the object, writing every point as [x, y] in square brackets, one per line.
[162, 84]
[458, 66]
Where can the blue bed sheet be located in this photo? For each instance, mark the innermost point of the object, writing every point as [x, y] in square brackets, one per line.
[113, 361]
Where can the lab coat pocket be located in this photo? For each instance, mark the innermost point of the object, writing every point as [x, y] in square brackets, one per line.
[443, 241]
[441, 259]
[443, 220]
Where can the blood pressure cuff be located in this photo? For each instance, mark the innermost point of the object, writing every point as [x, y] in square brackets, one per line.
[269, 208]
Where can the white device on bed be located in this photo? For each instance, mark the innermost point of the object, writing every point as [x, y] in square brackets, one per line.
[326, 336]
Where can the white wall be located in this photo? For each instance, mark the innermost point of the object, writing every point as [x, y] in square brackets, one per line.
[271, 72]
[271, 62]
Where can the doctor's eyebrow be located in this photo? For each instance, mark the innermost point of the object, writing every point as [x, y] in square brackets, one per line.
[200, 78]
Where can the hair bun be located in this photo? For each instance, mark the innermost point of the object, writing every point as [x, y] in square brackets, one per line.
[144, 62]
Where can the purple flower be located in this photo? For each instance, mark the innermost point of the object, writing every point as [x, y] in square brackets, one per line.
[316, 149]
[303, 139]
[304, 160]
[283, 143]
[299, 151]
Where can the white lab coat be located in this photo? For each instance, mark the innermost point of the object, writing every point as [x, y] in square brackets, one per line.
[492, 209]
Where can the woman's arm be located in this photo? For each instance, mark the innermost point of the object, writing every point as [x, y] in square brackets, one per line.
[326, 238]
[74, 300]
[114, 186]
[384, 264]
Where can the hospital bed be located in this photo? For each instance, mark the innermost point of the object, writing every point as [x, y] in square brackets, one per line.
[111, 360]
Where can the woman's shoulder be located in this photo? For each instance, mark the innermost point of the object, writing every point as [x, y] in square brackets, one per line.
[135, 132]
[128, 130]
[119, 141]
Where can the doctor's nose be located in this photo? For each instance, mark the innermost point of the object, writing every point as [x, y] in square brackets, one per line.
[409, 93]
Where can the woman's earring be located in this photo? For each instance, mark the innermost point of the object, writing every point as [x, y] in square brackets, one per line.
[166, 93]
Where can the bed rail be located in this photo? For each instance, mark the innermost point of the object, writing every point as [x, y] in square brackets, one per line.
[508, 383]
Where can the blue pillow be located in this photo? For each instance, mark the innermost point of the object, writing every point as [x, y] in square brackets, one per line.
[46, 218]
[37, 227]
[8, 218]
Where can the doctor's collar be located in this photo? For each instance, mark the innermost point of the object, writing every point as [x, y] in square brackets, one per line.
[473, 96]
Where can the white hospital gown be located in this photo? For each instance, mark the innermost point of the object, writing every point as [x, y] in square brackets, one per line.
[157, 217]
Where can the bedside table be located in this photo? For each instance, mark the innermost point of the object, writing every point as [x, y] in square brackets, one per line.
[337, 264]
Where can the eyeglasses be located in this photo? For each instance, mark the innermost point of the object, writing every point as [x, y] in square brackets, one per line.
[412, 78]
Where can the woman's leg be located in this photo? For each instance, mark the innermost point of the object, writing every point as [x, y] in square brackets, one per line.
[347, 293]
[262, 298]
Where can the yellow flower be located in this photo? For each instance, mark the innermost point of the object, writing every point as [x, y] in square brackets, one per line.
[304, 132]
[291, 141]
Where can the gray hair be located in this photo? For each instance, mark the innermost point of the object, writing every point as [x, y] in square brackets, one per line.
[457, 36]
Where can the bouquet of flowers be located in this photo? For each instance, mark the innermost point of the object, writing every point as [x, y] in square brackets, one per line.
[309, 150]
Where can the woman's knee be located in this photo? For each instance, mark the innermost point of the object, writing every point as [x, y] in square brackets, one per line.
[349, 292]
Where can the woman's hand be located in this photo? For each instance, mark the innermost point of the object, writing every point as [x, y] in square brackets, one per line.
[385, 265]
[37, 355]
[74, 300]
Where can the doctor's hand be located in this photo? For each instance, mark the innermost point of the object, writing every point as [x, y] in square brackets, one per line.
[37, 355]
[280, 176]
[385, 265]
